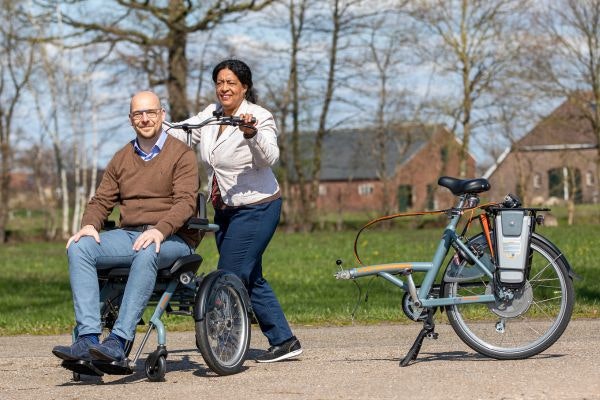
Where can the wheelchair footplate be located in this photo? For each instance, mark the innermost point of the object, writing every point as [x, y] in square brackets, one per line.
[81, 367]
[124, 367]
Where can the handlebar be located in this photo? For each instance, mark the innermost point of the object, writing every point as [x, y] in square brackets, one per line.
[216, 119]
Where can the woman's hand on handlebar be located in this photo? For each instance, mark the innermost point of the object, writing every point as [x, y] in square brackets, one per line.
[248, 125]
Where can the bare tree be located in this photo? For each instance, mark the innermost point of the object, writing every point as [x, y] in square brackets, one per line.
[569, 59]
[16, 66]
[474, 42]
[338, 20]
[144, 33]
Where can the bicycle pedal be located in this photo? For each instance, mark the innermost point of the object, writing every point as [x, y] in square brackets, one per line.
[432, 335]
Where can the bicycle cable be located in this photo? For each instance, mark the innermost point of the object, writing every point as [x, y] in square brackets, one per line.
[412, 214]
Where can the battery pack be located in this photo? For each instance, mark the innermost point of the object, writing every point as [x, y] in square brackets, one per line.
[513, 231]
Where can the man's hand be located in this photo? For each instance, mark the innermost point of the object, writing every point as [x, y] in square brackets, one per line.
[147, 238]
[87, 230]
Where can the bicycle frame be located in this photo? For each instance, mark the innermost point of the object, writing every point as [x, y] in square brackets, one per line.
[431, 269]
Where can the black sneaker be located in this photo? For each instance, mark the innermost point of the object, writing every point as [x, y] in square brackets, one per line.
[288, 349]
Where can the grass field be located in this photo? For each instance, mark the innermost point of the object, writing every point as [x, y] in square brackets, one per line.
[35, 296]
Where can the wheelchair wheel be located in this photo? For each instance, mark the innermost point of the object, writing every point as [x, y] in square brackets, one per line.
[155, 372]
[223, 335]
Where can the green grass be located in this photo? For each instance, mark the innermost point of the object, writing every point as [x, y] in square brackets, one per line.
[35, 296]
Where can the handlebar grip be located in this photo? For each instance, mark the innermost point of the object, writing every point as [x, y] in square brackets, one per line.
[239, 121]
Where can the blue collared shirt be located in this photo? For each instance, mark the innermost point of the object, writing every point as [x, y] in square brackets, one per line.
[155, 149]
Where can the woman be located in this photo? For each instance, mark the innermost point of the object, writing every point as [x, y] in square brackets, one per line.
[245, 195]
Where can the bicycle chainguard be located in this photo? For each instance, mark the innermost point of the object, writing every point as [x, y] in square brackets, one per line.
[428, 330]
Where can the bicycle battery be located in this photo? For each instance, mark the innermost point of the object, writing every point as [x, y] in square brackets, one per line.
[513, 233]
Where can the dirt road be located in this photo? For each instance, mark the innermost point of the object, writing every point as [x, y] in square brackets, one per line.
[357, 362]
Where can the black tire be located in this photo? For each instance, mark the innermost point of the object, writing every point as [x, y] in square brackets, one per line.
[223, 335]
[156, 371]
[529, 324]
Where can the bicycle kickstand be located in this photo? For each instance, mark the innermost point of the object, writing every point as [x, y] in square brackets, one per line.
[426, 331]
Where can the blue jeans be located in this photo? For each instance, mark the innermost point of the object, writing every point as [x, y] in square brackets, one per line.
[243, 236]
[116, 249]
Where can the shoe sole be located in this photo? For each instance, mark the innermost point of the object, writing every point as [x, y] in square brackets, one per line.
[81, 367]
[283, 357]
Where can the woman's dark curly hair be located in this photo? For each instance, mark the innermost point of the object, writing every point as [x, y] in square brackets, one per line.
[243, 73]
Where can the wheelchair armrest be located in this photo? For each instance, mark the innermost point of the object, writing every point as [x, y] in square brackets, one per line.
[200, 222]
[201, 203]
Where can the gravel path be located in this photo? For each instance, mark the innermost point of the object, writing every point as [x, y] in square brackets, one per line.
[354, 362]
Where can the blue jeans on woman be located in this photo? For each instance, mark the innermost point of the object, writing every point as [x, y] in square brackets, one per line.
[244, 233]
[116, 249]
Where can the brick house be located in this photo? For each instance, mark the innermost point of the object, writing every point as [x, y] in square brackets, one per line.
[415, 157]
[552, 163]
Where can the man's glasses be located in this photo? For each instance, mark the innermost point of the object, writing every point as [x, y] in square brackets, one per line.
[151, 114]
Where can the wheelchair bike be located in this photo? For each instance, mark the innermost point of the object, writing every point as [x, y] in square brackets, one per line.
[218, 302]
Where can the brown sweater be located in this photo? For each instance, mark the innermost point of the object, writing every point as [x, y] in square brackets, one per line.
[160, 192]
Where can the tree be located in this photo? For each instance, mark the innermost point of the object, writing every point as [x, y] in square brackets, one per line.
[568, 59]
[144, 33]
[339, 21]
[474, 42]
[16, 66]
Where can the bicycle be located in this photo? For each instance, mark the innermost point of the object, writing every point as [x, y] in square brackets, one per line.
[507, 290]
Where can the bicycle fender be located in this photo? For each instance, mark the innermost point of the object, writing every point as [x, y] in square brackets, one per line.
[548, 243]
[206, 287]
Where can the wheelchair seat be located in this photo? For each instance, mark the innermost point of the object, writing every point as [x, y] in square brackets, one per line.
[182, 265]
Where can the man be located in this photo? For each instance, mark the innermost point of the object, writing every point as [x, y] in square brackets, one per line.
[154, 181]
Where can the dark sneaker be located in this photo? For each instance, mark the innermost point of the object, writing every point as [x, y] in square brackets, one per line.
[288, 349]
[75, 352]
[110, 350]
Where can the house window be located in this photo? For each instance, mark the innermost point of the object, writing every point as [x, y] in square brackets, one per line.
[365, 189]
[322, 190]
[537, 181]
[430, 199]
[404, 197]
[565, 183]
[589, 178]
[444, 155]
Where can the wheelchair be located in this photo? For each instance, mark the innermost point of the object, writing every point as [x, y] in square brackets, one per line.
[218, 302]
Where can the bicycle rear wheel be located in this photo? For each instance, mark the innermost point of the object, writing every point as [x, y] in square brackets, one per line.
[529, 324]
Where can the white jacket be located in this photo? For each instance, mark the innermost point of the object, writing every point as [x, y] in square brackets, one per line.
[242, 166]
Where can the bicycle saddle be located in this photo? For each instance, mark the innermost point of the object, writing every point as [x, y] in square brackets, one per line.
[464, 186]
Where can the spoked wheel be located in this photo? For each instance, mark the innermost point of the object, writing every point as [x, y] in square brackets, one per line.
[223, 336]
[527, 325]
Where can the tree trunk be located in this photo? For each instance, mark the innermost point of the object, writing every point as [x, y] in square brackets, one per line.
[5, 151]
[310, 207]
[177, 79]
